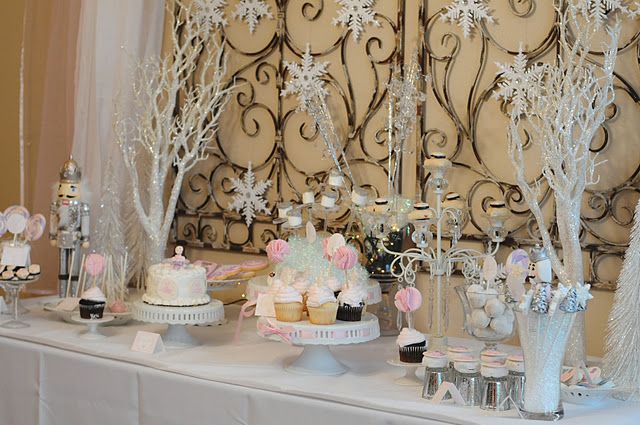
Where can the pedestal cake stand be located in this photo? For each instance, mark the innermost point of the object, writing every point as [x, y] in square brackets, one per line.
[13, 288]
[316, 357]
[178, 318]
[410, 379]
[92, 331]
[259, 285]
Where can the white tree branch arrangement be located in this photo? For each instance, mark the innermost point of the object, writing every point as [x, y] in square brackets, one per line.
[179, 99]
[563, 115]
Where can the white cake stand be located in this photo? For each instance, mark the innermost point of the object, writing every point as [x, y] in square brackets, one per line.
[92, 326]
[316, 358]
[178, 318]
[410, 379]
[259, 285]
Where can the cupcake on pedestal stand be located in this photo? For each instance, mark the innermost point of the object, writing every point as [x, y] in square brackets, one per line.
[321, 329]
[91, 305]
[411, 343]
[176, 295]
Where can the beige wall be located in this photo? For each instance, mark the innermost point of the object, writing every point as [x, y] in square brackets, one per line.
[11, 36]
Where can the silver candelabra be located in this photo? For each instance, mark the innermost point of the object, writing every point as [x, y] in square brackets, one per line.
[448, 216]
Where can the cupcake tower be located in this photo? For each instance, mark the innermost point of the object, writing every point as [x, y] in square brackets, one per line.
[323, 297]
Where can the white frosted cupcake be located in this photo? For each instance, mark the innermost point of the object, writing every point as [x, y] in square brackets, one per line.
[411, 345]
[321, 305]
[288, 304]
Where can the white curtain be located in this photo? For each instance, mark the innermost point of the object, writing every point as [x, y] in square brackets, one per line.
[112, 35]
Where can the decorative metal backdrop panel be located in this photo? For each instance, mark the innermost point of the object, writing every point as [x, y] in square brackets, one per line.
[466, 122]
[460, 117]
[261, 127]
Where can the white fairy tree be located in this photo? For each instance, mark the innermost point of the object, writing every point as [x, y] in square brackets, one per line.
[561, 119]
[179, 99]
[623, 333]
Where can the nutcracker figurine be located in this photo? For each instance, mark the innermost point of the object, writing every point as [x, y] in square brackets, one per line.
[69, 226]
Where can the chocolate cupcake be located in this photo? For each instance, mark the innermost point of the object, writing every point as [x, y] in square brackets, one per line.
[92, 303]
[351, 303]
[411, 345]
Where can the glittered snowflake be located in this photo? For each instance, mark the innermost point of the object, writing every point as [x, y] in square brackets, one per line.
[355, 14]
[468, 13]
[306, 79]
[209, 14]
[249, 198]
[251, 11]
[519, 82]
[599, 9]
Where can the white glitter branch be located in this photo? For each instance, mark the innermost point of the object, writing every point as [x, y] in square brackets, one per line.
[179, 100]
[565, 113]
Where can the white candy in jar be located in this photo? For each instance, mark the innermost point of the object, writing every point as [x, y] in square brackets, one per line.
[476, 296]
[485, 333]
[479, 318]
[502, 325]
[494, 307]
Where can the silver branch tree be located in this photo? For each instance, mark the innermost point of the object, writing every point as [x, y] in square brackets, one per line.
[623, 333]
[179, 99]
[561, 119]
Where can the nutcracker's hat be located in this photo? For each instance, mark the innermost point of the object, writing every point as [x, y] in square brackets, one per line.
[70, 172]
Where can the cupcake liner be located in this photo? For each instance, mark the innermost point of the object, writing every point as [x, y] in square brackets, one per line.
[412, 353]
[91, 311]
[323, 315]
[288, 312]
[349, 313]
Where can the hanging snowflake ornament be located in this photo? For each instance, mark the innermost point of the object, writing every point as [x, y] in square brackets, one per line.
[249, 196]
[468, 13]
[251, 11]
[306, 79]
[209, 14]
[356, 14]
[598, 10]
[519, 82]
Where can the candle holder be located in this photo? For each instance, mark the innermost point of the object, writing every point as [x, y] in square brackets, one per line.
[446, 218]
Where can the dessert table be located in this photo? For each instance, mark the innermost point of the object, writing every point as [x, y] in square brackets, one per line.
[50, 375]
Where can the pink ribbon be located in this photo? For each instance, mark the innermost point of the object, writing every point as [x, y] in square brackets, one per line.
[270, 328]
[245, 311]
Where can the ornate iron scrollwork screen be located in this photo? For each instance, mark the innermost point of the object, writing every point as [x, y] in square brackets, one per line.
[464, 121]
[261, 127]
[460, 117]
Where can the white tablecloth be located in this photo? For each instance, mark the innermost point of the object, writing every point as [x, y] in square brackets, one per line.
[50, 376]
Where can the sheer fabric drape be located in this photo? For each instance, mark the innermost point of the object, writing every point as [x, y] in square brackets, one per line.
[77, 63]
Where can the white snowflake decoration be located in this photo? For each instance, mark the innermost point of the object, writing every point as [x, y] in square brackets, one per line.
[249, 196]
[519, 82]
[252, 11]
[355, 14]
[209, 15]
[306, 81]
[467, 13]
[598, 9]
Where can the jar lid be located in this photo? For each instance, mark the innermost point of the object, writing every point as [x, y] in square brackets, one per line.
[466, 364]
[453, 352]
[493, 370]
[493, 356]
[381, 201]
[497, 204]
[421, 206]
[438, 155]
[452, 196]
[515, 363]
[435, 359]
